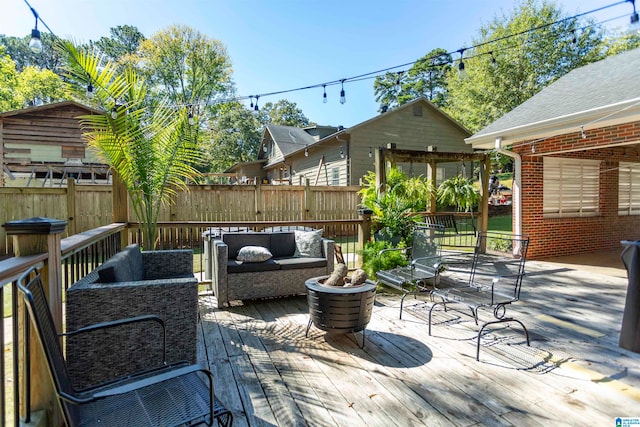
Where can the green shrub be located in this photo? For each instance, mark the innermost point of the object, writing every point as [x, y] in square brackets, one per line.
[371, 262]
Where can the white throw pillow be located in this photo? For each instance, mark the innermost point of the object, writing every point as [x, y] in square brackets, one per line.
[253, 254]
[308, 244]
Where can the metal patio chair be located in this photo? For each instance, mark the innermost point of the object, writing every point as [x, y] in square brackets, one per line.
[420, 275]
[494, 280]
[178, 394]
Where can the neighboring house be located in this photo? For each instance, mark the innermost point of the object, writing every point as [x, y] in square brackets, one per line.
[326, 155]
[577, 159]
[45, 142]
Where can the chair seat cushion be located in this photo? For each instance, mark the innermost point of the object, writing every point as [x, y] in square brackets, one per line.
[297, 263]
[234, 266]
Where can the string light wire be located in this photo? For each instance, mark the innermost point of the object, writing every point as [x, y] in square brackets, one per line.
[378, 73]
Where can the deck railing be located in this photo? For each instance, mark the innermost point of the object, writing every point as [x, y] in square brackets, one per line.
[76, 257]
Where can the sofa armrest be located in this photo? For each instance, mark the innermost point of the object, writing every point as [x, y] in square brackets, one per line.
[219, 283]
[329, 250]
[167, 263]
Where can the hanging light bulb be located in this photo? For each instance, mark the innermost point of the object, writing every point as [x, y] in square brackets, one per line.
[191, 119]
[634, 22]
[255, 107]
[114, 113]
[343, 98]
[35, 44]
[341, 153]
[306, 152]
[493, 60]
[324, 95]
[370, 153]
[461, 71]
[90, 91]
[251, 98]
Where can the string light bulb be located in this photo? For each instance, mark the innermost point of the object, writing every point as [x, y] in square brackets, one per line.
[35, 44]
[324, 95]
[306, 152]
[114, 113]
[583, 133]
[343, 98]
[493, 59]
[341, 153]
[255, 107]
[574, 39]
[191, 119]
[370, 153]
[251, 104]
[635, 20]
[90, 91]
[461, 71]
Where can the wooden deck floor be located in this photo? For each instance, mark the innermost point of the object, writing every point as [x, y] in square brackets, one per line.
[269, 374]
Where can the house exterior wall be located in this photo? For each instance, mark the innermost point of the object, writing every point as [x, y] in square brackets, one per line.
[306, 168]
[50, 136]
[566, 236]
[413, 128]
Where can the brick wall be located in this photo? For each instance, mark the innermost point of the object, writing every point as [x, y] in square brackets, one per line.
[566, 236]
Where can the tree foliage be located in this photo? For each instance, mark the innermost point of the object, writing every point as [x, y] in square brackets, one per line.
[427, 77]
[124, 41]
[8, 83]
[151, 146]
[235, 137]
[523, 65]
[285, 113]
[186, 66]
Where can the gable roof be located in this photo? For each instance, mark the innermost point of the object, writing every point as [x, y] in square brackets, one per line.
[288, 138]
[51, 106]
[410, 104]
[595, 95]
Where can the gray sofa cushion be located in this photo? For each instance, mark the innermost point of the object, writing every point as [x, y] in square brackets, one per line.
[283, 244]
[236, 241]
[297, 262]
[234, 266]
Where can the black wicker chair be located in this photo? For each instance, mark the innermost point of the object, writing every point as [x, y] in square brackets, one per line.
[178, 394]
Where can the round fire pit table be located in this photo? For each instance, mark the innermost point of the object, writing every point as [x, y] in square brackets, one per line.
[340, 310]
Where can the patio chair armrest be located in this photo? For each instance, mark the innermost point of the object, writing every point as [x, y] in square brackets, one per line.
[155, 379]
[122, 322]
[392, 249]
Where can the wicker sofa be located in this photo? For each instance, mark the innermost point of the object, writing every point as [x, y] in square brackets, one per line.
[132, 283]
[283, 274]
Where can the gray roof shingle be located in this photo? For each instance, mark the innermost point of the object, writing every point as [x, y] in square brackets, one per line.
[606, 82]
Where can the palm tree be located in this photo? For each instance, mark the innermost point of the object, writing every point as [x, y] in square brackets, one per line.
[151, 147]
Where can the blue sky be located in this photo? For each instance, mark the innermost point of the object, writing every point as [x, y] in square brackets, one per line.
[284, 44]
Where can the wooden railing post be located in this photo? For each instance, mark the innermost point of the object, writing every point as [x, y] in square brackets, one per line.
[364, 228]
[71, 206]
[30, 237]
[120, 198]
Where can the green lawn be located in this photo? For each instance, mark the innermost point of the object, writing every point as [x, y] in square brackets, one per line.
[499, 223]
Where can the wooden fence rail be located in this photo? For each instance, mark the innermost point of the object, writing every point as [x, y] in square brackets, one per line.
[86, 207]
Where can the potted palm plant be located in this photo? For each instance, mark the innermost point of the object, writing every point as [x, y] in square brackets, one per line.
[151, 145]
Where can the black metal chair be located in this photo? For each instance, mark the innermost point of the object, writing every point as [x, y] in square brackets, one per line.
[421, 273]
[493, 280]
[177, 394]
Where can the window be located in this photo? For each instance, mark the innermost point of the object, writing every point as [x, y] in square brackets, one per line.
[629, 189]
[571, 187]
[335, 176]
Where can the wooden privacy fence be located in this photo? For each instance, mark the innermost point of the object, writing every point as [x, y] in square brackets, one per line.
[85, 207]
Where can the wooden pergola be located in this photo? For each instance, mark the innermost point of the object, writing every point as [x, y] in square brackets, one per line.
[393, 155]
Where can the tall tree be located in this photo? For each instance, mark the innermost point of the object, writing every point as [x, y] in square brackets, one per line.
[506, 70]
[187, 66]
[8, 83]
[18, 49]
[124, 41]
[426, 77]
[37, 87]
[285, 113]
[235, 137]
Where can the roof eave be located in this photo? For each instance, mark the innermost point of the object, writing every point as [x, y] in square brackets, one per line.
[608, 115]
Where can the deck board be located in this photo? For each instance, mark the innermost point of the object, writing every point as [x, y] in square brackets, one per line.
[270, 374]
